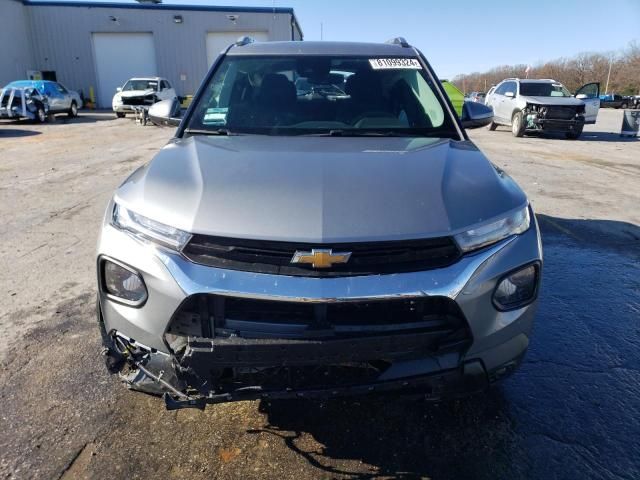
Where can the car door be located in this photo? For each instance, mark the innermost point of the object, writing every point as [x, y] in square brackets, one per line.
[66, 96]
[495, 99]
[590, 95]
[167, 92]
[56, 100]
[510, 102]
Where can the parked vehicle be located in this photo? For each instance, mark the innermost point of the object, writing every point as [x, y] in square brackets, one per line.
[613, 100]
[286, 246]
[477, 97]
[543, 105]
[23, 102]
[634, 101]
[59, 98]
[141, 92]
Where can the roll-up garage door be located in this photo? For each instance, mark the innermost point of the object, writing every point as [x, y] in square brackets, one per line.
[218, 41]
[120, 56]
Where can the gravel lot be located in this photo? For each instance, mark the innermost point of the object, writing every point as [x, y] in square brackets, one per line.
[572, 411]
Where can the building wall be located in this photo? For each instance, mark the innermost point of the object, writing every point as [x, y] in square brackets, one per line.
[16, 54]
[62, 40]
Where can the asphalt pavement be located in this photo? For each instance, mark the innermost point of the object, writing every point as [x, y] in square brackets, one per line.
[571, 411]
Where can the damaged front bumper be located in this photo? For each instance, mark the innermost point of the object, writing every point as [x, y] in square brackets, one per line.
[553, 118]
[153, 372]
[164, 347]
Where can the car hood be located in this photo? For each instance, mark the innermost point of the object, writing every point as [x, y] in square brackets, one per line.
[320, 189]
[136, 93]
[562, 101]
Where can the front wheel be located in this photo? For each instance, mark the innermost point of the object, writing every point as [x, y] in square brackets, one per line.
[492, 126]
[575, 134]
[73, 111]
[624, 105]
[41, 115]
[517, 125]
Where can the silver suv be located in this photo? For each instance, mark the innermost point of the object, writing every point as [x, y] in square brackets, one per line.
[529, 106]
[342, 238]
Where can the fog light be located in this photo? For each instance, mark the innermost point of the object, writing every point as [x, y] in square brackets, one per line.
[517, 289]
[123, 283]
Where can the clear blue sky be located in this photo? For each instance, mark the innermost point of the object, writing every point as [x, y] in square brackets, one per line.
[462, 36]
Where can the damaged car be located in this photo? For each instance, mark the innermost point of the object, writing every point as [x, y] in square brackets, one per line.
[23, 102]
[141, 92]
[536, 106]
[314, 246]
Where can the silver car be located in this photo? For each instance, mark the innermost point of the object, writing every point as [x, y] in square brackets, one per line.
[316, 245]
[59, 98]
[545, 105]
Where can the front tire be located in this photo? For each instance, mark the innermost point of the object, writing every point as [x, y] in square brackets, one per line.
[574, 135]
[517, 125]
[41, 115]
[73, 111]
[492, 126]
[120, 114]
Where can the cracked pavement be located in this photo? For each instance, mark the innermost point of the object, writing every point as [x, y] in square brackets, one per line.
[571, 411]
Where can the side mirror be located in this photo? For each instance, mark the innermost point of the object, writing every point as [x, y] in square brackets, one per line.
[476, 115]
[509, 94]
[165, 113]
[581, 96]
[118, 90]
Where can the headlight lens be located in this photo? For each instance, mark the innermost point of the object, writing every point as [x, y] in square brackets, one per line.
[493, 232]
[149, 229]
[517, 289]
[123, 283]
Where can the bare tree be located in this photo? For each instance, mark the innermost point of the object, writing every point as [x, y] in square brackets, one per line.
[573, 72]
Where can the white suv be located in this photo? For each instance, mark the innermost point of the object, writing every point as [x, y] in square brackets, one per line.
[543, 105]
[141, 92]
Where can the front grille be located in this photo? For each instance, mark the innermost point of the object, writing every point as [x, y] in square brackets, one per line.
[366, 258]
[216, 316]
[561, 113]
[147, 100]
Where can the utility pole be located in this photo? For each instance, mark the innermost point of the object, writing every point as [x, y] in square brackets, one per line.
[606, 89]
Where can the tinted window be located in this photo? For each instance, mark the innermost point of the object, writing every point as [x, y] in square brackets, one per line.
[307, 95]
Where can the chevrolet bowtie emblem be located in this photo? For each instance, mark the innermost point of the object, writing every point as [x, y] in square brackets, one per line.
[320, 258]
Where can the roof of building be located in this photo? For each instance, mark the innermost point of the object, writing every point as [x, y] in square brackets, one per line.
[153, 6]
[323, 48]
[164, 6]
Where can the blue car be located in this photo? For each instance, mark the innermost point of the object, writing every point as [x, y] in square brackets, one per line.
[61, 100]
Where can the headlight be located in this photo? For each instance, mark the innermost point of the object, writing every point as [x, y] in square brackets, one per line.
[123, 283]
[517, 289]
[484, 235]
[149, 229]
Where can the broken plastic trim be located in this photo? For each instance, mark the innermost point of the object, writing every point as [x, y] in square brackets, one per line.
[459, 382]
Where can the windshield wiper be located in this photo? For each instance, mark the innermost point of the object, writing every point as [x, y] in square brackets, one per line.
[217, 131]
[388, 133]
[350, 133]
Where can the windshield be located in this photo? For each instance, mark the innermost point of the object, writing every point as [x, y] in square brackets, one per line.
[140, 85]
[321, 95]
[535, 89]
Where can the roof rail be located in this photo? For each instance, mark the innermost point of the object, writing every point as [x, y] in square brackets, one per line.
[398, 41]
[242, 41]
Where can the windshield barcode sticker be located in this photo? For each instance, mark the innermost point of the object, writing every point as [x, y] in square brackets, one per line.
[385, 63]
